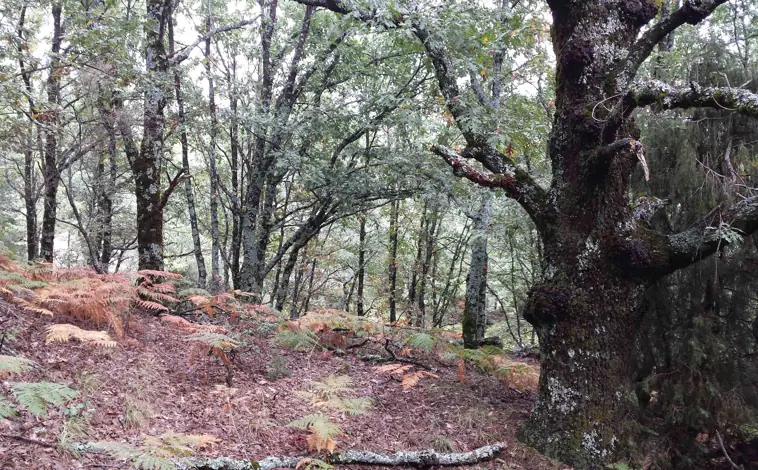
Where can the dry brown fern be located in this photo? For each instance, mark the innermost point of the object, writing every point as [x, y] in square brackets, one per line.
[64, 332]
[408, 377]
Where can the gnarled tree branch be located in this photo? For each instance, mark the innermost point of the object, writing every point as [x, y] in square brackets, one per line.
[518, 184]
[664, 96]
[652, 254]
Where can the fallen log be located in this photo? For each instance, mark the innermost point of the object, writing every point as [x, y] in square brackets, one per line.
[418, 459]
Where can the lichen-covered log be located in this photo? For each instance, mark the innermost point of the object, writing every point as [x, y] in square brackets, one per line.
[419, 459]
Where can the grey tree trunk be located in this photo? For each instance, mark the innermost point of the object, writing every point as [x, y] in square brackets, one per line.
[475, 310]
[51, 118]
[392, 269]
[361, 264]
[216, 281]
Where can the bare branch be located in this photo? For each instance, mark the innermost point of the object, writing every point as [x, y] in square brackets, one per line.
[692, 12]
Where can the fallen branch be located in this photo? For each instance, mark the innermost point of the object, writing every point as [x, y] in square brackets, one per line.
[419, 459]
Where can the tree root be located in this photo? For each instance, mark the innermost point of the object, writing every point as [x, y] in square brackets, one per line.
[418, 459]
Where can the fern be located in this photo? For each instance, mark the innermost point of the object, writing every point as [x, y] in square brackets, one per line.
[423, 341]
[297, 340]
[7, 409]
[333, 385]
[37, 396]
[409, 378]
[157, 452]
[62, 333]
[15, 365]
[214, 340]
[318, 424]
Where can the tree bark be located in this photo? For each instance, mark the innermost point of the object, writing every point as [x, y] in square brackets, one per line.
[51, 174]
[30, 184]
[431, 225]
[361, 264]
[474, 312]
[147, 164]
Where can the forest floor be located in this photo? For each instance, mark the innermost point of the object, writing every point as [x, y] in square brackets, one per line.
[147, 385]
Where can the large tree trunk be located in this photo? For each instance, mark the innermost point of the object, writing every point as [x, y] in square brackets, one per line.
[585, 309]
[474, 311]
[51, 173]
[147, 166]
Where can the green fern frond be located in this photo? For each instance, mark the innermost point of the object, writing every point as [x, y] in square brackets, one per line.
[118, 450]
[214, 340]
[15, 365]
[422, 341]
[37, 396]
[6, 408]
[333, 385]
[297, 340]
[353, 406]
[318, 424]
[148, 461]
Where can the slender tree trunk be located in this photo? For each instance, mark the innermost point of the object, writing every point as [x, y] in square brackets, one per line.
[297, 283]
[431, 225]
[215, 284]
[307, 300]
[475, 311]
[416, 266]
[277, 277]
[236, 190]
[30, 184]
[289, 266]
[30, 201]
[50, 173]
[188, 190]
[392, 270]
[361, 264]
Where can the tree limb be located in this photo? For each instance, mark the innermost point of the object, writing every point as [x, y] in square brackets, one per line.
[185, 52]
[517, 183]
[665, 96]
[651, 254]
[692, 12]
[420, 459]
[181, 176]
